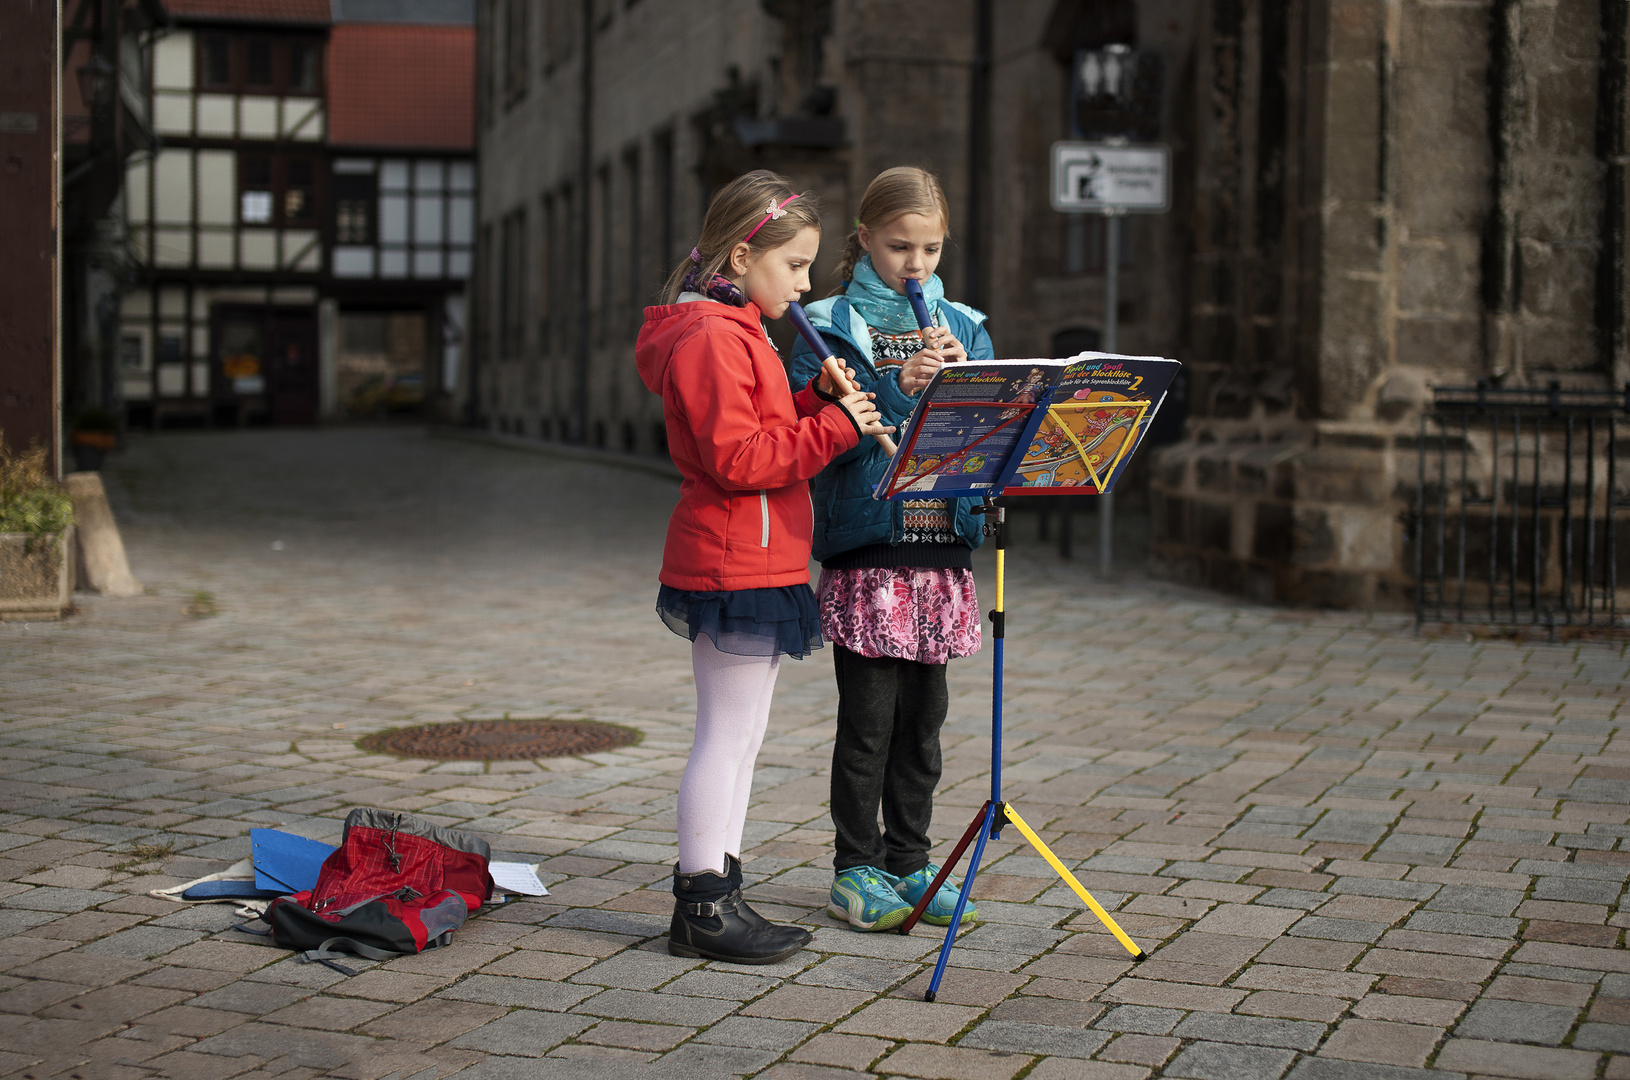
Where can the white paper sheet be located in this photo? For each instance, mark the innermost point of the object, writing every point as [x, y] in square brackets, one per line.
[517, 877]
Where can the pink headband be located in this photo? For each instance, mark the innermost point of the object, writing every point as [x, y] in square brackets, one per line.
[774, 213]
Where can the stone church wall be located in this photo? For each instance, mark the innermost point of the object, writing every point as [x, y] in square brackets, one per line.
[1419, 195]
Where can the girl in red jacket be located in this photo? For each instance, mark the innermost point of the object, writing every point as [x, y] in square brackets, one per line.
[735, 570]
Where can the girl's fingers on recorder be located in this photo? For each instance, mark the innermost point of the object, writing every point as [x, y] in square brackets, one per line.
[826, 384]
[919, 370]
[863, 410]
[949, 347]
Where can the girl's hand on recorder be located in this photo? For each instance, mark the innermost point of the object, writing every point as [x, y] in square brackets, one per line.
[825, 385]
[863, 410]
[946, 344]
[918, 371]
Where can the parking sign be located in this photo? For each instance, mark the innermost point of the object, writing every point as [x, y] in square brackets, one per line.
[1101, 178]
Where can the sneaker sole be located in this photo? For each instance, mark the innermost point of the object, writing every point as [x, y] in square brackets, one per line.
[887, 922]
[971, 915]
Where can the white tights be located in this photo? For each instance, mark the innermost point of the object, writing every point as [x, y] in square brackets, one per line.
[732, 710]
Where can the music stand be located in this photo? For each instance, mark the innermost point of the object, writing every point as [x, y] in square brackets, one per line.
[906, 479]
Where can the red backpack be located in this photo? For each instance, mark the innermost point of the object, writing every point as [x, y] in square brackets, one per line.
[396, 886]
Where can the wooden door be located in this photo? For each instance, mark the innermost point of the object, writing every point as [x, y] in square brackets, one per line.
[291, 375]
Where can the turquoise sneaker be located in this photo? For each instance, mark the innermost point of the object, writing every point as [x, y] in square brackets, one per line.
[912, 886]
[864, 897]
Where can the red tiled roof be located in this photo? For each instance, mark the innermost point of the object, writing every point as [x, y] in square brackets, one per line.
[273, 11]
[401, 86]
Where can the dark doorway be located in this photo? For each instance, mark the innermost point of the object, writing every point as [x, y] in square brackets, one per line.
[380, 370]
[264, 367]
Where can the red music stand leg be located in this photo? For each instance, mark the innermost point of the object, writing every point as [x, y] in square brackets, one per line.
[945, 871]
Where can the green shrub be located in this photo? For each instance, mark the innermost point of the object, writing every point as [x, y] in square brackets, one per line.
[31, 501]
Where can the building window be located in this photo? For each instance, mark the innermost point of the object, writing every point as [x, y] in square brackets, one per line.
[260, 64]
[515, 52]
[258, 69]
[277, 189]
[662, 171]
[255, 197]
[607, 253]
[131, 352]
[302, 68]
[512, 286]
[354, 197]
[565, 289]
[215, 61]
[300, 193]
[636, 235]
[560, 31]
[546, 301]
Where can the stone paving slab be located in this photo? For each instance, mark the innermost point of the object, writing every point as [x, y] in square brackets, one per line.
[1351, 854]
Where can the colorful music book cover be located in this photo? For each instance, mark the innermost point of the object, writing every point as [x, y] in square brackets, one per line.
[968, 424]
[976, 429]
[1099, 411]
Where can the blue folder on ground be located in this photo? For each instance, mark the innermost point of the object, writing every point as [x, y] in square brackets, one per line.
[285, 862]
[231, 890]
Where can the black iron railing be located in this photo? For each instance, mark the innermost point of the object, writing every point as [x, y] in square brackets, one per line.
[1518, 507]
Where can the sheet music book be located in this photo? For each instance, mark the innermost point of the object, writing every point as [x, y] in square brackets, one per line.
[1028, 427]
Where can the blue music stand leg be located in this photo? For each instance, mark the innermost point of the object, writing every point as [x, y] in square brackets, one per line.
[961, 904]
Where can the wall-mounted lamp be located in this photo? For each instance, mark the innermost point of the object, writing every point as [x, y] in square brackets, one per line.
[96, 78]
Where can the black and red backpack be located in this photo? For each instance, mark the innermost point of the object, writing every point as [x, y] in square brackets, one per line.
[395, 886]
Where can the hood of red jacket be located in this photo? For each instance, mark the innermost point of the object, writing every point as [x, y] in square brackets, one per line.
[667, 323]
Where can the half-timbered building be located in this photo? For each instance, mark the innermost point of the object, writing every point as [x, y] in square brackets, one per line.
[303, 234]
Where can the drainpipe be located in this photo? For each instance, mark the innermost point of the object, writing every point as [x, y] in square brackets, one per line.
[978, 151]
[585, 203]
[1502, 250]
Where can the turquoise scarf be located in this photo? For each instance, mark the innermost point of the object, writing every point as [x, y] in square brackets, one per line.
[884, 308]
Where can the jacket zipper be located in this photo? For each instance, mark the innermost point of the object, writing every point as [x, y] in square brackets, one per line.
[764, 514]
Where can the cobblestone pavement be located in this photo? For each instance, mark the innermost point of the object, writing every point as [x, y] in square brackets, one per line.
[1352, 854]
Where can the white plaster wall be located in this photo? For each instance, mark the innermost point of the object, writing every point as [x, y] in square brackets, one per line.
[136, 181]
[172, 113]
[217, 187]
[214, 249]
[257, 116]
[172, 61]
[217, 115]
[258, 249]
[172, 187]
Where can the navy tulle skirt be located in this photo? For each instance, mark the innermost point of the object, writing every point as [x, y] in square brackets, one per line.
[746, 622]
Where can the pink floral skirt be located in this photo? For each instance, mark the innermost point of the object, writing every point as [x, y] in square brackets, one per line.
[929, 616]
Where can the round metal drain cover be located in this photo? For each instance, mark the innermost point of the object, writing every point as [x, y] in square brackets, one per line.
[501, 740]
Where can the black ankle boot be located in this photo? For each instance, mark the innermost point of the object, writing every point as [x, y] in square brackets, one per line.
[712, 921]
[732, 870]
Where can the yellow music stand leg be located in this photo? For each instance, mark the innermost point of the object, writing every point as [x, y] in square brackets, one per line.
[988, 824]
[1069, 879]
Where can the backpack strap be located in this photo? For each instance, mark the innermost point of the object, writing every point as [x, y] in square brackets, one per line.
[340, 946]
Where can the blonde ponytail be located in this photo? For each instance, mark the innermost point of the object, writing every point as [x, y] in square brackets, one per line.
[852, 251]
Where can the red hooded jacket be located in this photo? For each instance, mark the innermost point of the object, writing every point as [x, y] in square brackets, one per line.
[745, 445]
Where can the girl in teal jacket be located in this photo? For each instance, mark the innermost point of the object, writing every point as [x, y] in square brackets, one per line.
[896, 592]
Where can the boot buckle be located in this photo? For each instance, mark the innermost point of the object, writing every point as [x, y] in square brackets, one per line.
[710, 909]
